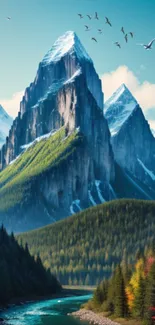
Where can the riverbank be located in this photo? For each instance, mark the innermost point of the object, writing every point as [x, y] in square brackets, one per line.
[100, 319]
[64, 292]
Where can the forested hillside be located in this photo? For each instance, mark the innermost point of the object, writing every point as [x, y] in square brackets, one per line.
[22, 276]
[85, 248]
[18, 179]
[129, 293]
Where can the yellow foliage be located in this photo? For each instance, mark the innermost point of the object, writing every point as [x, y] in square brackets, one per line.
[134, 282]
[130, 296]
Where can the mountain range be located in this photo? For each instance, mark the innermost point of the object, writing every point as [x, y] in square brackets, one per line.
[67, 150]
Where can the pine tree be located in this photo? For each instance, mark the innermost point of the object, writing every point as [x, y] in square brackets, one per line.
[120, 301]
[97, 298]
[150, 296]
[138, 307]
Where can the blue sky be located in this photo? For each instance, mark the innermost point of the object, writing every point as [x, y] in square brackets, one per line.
[36, 24]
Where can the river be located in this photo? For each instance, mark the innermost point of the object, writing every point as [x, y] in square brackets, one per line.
[47, 312]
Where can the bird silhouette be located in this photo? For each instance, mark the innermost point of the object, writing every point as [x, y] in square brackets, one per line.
[89, 17]
[118, 44]
[8, 18]
[100, 31]
[87, 28]
[148, 46]
[126, 38]
[108, 21]
[131, 34]
[80, 15]
[96, 16]
[122, 30]
[94, 39]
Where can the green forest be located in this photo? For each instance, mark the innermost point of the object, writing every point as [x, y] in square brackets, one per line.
[22, 275]
[17, 179]
[85, 248]
[129, 293]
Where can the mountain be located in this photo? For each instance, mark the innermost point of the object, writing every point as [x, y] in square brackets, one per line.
[26, 278]
[50, 101]
[5, 124]
[91, 243]
[131, 138]
[58, 158]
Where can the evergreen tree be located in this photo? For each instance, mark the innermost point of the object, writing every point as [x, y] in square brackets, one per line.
[120, 301]
[150, 297]
[138, 307]
[98, 296]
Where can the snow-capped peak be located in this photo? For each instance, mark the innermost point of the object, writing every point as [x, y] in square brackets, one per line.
[67, 43]
[121, 94]
[118, 108]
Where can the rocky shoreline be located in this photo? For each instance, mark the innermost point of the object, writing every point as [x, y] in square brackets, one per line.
[90, 316]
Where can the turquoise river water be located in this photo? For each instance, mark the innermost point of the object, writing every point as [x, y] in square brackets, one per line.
[47, 312]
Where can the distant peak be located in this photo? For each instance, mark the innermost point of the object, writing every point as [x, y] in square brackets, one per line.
[67, 43]
[118, 108]
[122, 93]
[3, 112]
[123, 88]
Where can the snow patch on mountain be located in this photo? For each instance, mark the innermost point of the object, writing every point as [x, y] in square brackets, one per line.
[72, 79]
[42, 137]
[97, 183]
[67, 43]
[75, 203]
[91, 198]
[118, 109]
[149, 172]
[138, 187]
[112, 191]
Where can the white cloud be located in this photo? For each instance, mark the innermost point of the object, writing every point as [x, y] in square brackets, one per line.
[143, 92]
[12, 104]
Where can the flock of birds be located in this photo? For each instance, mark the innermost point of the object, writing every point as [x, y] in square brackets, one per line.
[107, 21]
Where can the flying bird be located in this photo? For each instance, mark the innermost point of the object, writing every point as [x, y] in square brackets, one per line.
[100, 31]
[94, 39]
[8, 18]
[87, 28]
[147, 46]
[89, 17]
[80, 15]
[122, 30]
[131, 34]
[118, 44]
[96, 16]
[126, 37]
[108, 21]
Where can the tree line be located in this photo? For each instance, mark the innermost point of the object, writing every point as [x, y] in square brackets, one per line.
[85, 248]
[22, 275]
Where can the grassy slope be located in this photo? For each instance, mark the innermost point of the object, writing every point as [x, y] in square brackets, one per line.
[95, 240]
[17, 178]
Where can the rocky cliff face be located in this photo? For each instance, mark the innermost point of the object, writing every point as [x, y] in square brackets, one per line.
[66, 92]
[5, 124]
[132, 140]
[45, 105]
